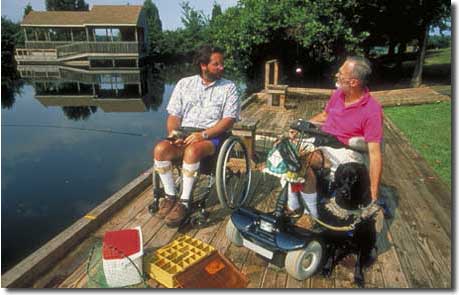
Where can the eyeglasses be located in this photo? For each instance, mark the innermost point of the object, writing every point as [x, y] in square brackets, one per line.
[216, 64]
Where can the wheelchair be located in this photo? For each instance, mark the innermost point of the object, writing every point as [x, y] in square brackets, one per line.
[228, 171]
[274, 235]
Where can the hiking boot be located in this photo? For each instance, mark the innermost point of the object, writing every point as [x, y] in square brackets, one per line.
[177, 215]
[166, 205]
[305, 222]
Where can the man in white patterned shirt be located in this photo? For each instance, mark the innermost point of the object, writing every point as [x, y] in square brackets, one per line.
[205, 101]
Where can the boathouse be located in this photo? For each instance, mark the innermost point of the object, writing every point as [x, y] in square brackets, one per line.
[105, 36]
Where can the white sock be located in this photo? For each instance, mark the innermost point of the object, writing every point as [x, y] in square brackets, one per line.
[292, 201]
[188, 181]
[310, 201]
[166, 178]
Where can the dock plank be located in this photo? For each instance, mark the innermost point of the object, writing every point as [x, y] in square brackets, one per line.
[414, 251]
[422, 238]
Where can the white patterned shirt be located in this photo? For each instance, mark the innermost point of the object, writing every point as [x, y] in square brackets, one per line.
[202, 106]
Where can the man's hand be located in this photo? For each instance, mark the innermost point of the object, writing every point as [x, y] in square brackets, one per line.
[319, 118]
[175, 137]
[193, 137]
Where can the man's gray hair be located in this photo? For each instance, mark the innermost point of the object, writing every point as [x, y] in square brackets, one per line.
[361, 69]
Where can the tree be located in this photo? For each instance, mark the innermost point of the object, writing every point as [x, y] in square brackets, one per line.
[256, 30]
[27, 9]
[195, 32]
[79, 113]
[397, 23]
[11, 37]
[430, 13]
[154, 27]
[216, 11]
[66, 5]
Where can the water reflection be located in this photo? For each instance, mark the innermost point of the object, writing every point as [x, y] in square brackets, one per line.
[81, 92]
[71, 137]
[11, 84]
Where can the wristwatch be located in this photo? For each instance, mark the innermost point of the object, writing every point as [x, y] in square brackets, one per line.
[205, 135]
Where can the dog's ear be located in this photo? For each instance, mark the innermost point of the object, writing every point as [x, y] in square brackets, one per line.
[364, 174]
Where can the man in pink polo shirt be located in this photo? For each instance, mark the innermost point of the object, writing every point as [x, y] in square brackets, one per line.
[351, 112]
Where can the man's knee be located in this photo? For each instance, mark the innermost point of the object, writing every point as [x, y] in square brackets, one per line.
[193, 153]
[162, 151]
[316, 159]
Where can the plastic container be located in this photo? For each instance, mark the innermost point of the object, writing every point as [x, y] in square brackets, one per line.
[175, 258]
[122, 253]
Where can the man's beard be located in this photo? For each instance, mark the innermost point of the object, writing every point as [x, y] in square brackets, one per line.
[211, 77]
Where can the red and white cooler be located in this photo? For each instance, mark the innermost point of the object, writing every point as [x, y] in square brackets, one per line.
[117, 246]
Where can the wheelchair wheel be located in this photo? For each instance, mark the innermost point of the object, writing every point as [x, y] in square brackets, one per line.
[303, 263]
[233, 175]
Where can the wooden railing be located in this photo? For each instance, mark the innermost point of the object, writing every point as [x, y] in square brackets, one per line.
[26, 54]
[45, 44]
[97, 47]
[95, 78]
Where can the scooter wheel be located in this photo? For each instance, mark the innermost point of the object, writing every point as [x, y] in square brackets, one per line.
[233, 234]
[303, 263]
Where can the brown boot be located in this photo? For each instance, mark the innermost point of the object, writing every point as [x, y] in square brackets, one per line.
[166, 205]
[177, 215]
[305, 222]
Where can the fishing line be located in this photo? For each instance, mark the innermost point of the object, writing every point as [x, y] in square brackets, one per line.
[75, 128]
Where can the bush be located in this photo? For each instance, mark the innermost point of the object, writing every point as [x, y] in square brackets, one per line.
[438, 41]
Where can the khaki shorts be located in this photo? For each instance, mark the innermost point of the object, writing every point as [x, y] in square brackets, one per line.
[341, 156]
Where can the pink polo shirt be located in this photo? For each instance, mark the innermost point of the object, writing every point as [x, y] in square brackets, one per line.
[362, 118]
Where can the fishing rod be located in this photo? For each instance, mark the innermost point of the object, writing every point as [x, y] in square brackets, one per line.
[76, 128]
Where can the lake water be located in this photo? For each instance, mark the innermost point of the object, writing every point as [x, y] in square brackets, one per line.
[67, 148]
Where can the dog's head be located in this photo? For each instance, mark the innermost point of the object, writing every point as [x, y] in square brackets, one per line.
[352, 185]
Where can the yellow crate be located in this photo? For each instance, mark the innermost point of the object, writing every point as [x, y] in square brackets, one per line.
[175, 258]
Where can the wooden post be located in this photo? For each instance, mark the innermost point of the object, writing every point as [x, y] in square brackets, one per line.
[135, 34]
[266, 75]
[25, 35]
[71, 34]
[246, 130]
[276, 72]
[282, 100]
[87, 34]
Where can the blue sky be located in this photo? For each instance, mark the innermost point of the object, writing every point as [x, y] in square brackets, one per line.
[169, 10]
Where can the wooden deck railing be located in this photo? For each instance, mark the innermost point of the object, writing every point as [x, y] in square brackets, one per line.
[97, 47]
[27, 54]
[45, 44]
[95, 78]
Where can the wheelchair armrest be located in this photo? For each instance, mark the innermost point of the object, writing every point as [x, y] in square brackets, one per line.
[358, 144]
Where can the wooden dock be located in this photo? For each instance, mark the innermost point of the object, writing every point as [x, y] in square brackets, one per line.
[414, 250]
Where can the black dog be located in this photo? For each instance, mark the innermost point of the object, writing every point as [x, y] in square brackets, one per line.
[351, 191]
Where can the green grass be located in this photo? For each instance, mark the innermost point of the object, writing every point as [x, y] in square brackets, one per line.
[436, 70]
[428, 128]
[440, 56]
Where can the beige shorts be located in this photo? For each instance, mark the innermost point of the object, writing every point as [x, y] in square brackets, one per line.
[342, 156]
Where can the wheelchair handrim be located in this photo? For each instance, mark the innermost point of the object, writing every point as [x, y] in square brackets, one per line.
[246, 188]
